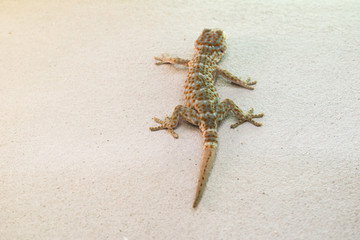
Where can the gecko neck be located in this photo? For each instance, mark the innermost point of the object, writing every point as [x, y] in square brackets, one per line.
[210, 51]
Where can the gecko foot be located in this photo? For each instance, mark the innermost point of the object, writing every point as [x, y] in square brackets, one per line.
[247, 83]
[164, 125]
[248, 118]
[162, 60]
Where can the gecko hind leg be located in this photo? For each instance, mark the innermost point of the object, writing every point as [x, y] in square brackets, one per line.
[228, 105]
[187, 113]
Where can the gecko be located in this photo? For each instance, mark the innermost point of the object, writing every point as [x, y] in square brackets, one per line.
[202, 105]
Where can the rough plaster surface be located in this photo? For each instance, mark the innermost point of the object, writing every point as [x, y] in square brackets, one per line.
[79, 88]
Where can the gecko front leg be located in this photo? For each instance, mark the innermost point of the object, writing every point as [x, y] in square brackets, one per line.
[187, 113]
[164, 59]
[228, 105]
[237, 80]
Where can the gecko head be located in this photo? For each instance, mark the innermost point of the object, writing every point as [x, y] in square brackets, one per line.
[212, 42]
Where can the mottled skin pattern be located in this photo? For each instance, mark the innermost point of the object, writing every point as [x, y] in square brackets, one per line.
[202, 106]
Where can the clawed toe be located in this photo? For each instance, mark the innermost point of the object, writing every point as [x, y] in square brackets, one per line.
[255, 123]
[258, 115]
[237, 124]
[249, 82]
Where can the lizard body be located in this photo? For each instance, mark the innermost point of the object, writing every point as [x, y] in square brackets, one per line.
[202, 105]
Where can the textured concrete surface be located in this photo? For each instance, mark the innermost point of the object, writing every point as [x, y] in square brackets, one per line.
[79, 88]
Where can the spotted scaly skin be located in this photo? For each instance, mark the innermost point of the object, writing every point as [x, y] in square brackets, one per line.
[202, 106]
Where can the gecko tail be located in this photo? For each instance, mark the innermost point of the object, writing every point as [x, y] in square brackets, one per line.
[206, 165]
